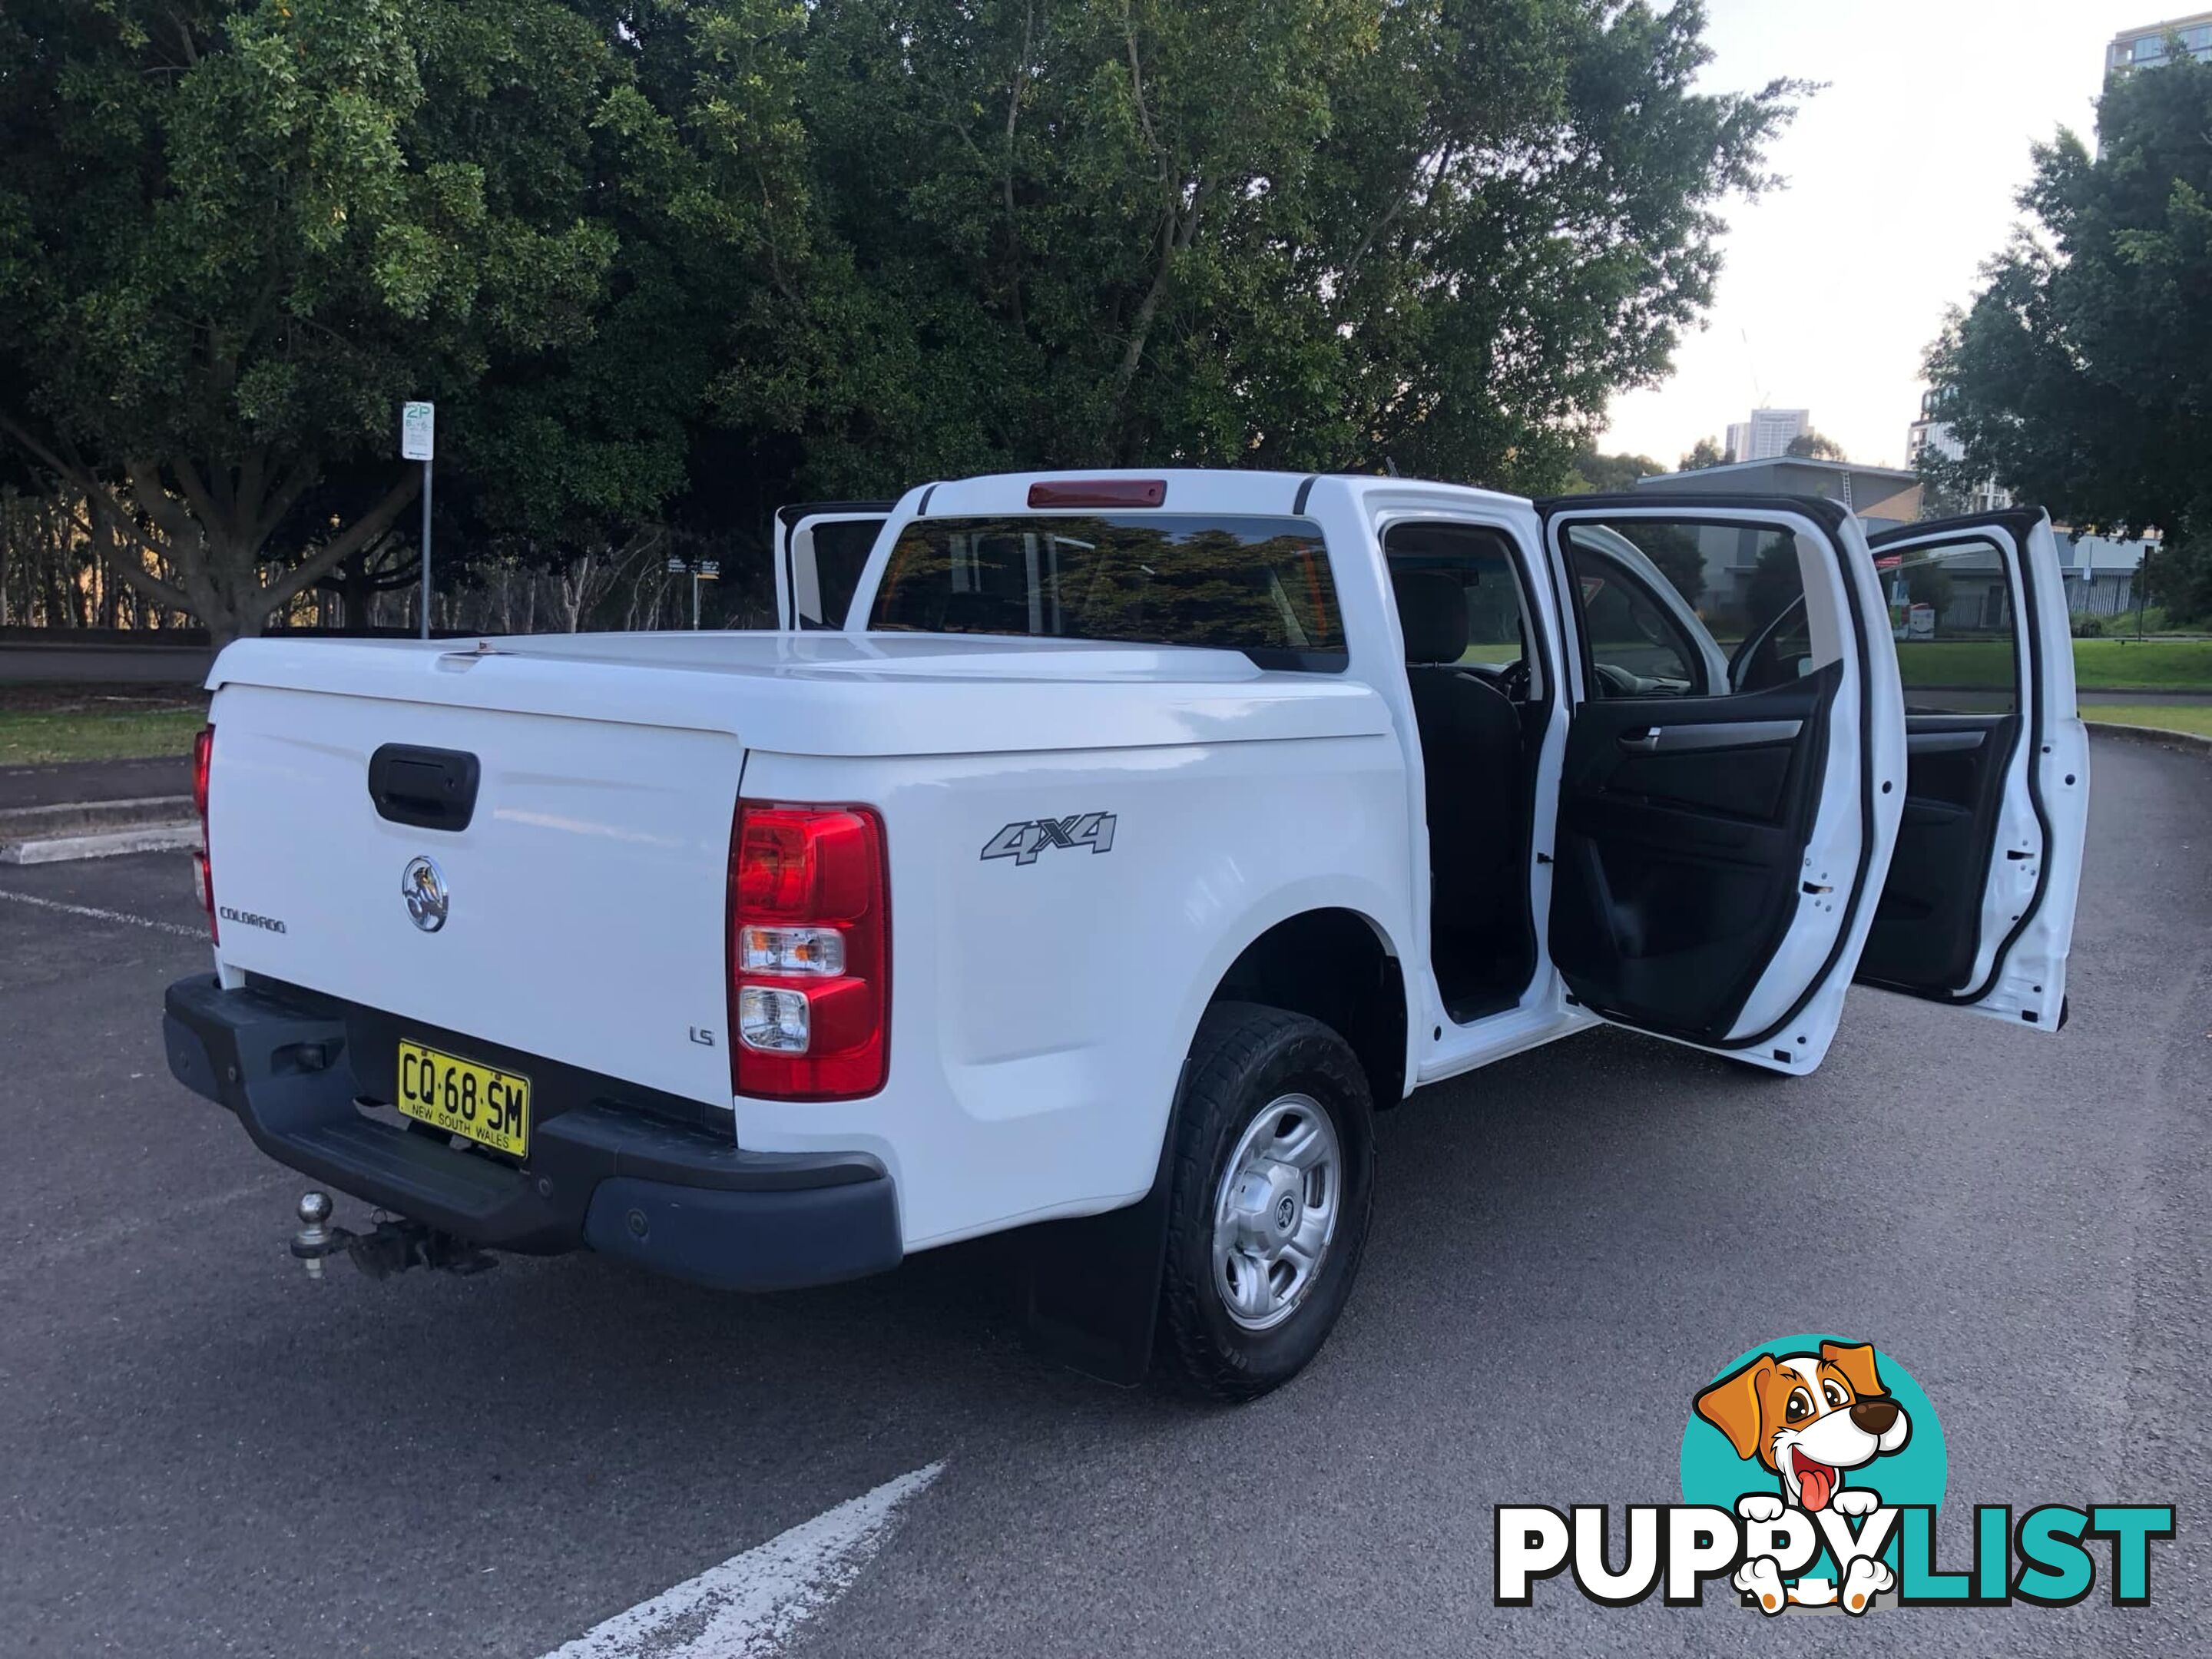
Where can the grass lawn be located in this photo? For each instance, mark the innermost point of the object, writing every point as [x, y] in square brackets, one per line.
[2099, 664]
[2169, 717]
[2168, 665]
[41, 725]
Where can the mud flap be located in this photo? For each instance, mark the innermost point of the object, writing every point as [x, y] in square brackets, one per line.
[1090, 1286]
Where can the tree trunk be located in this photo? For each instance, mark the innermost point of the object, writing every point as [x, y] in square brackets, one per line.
[573, 594]
[213, 542]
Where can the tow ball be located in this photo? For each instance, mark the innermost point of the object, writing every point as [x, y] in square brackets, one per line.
[392, 1245]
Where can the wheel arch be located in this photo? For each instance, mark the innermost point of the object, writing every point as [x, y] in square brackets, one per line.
[1338, 964]
[1101, 1320]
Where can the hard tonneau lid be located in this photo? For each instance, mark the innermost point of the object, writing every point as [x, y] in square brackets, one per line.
[837, 694]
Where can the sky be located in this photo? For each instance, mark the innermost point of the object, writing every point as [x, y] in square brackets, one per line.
[1902, 175]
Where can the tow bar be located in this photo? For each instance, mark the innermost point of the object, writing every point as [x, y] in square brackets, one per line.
[392, 1245]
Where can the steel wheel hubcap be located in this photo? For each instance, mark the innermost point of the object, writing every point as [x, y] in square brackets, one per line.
[1275, 1213]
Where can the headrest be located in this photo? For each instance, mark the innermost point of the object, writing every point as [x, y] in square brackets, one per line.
[1432, 612]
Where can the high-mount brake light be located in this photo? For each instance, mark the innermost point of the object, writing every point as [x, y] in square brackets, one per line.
[202, 871]
[1100, 492]
[809, 951]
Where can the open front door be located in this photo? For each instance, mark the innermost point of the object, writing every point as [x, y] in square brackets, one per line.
[1734, 768]
[1978, 910]
[821, 548]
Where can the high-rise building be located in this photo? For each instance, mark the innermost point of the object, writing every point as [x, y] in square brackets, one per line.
[1768, 434]
[2146, 47]
[1930, 430]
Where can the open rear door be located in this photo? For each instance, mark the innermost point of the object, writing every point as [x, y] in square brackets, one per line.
[1722, 839]
[821, 548]
[1978, 910]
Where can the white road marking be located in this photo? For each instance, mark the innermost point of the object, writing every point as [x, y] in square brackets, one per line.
[748, 1606]
[98, 913]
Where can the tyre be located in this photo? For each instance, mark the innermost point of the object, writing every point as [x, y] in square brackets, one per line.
[1271, 1184]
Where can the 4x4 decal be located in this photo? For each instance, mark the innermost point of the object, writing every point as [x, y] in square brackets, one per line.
[1022, 843]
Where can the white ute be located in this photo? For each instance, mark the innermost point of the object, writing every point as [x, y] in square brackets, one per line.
[1091, 854]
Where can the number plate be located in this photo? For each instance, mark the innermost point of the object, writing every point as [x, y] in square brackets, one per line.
[463, 1098]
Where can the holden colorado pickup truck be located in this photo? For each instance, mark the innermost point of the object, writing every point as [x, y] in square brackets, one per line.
[1092, 855]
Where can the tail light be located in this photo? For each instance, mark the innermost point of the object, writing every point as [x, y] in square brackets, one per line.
[203, 872]
[810, 952]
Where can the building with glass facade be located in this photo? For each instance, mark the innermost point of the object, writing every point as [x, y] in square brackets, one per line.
[2146, 47]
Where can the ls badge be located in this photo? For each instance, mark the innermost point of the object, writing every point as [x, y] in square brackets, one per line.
[1022, 843]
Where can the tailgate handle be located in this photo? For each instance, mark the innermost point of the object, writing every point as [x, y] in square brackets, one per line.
[429, 789]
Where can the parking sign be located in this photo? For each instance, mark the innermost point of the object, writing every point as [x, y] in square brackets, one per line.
[417, 431]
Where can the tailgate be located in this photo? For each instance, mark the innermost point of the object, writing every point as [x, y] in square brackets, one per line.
[584, 900]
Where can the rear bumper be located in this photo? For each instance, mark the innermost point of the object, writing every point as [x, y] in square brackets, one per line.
[678, 1197]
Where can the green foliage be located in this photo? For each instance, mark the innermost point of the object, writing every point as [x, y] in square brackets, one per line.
[1776, 584]
[1675, 550]
[2178, 574]
[2081, 375]
[1607, 475]
[2136, 620]
[652, 256]
[233, 237]
[1705, 452]
[1927, 582]
[1308, 233]
[1812, 446]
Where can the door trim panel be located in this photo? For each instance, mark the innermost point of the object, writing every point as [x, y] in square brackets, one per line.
[1943, 743]
[2017, 527]
[1837, 529]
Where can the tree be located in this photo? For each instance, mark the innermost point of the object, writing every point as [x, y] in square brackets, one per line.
[1608, 475]
[677, 260]
[2081, 376]
[233, 236]
[1927, 582]
[1704, 453]
[1777, 583]
[1306, 233]
[1675, 550]
[1812, 446]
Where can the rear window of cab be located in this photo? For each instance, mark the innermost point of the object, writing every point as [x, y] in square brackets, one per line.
[1260, 586]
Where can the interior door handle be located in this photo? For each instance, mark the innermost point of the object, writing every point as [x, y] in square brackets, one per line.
[1717, 735]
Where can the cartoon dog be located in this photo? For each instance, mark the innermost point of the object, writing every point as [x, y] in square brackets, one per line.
[1808, 1418]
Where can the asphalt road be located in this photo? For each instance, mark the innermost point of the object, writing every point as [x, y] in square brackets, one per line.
[202, 1453]
[95, 780]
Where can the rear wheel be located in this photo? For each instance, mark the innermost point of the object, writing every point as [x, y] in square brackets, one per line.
[1271, 1187]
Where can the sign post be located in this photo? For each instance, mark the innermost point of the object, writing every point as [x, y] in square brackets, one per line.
[702, 570]
[418, 442]
[679, 566]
